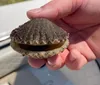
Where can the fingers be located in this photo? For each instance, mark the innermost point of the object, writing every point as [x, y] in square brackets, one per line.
[79, 52]
[54, 9]
[52, 63]
[77, 42]
[57, 61]
[78, 55]
[36, 63]
[64, 25]
[75, 60]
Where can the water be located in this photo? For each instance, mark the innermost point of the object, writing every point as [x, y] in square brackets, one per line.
[48, 77]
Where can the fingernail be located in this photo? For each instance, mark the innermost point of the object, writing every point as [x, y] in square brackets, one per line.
[36, 10]
[50, 63]
[30, 63]
[55, 63]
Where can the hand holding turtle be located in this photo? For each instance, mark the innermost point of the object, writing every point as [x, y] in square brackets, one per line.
[81, 19]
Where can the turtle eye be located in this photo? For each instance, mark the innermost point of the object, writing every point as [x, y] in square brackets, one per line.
[40, 47]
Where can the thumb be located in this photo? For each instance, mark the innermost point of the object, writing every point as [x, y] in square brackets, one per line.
[54, 9]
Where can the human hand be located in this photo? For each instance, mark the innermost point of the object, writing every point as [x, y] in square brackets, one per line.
[81, 19]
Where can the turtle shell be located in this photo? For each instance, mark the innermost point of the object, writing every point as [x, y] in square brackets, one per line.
[39, 37]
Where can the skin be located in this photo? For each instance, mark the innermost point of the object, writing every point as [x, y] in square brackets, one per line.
[81, 18]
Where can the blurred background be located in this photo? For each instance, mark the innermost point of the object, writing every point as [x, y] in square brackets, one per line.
[5, 2]
[14, 69]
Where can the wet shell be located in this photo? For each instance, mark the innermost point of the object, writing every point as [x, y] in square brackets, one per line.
[39, 38]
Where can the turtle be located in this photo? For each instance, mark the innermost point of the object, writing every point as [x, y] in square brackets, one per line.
[39, 38]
